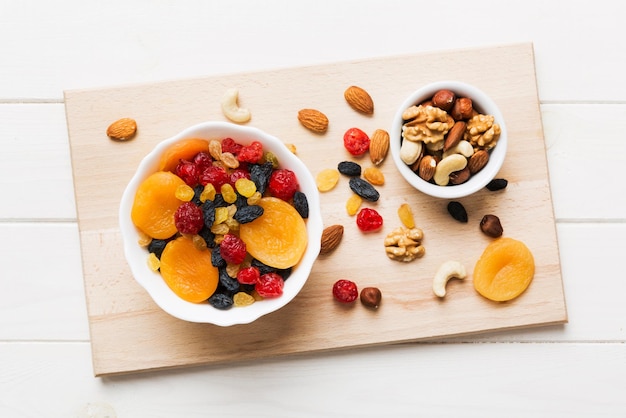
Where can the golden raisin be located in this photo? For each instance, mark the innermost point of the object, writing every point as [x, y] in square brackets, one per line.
[353, 204]
[327, 179]
[243, 299]
[228, 193]
[153, 262]
[245, 187]
[208, 193]
[406, 215]
[184, 193]
[374, 176]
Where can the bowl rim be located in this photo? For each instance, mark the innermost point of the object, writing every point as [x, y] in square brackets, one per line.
[153, 283]
[478, 180]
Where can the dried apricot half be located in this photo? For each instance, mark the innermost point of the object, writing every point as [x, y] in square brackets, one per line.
[188, 271]
[504, 270]
[183, 150]
[278, 237]
[155, 204]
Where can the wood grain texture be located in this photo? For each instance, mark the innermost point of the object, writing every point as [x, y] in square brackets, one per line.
[129, 333]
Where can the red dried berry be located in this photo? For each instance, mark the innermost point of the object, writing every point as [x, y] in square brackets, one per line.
[238, 174]
[283, 184]
[248, 275]
[233, 249]
[229, 145]
[188, 172]
[270, 285]
[345, 291]
[369, 220]
[188, 218]
[215, 175]
[203, 160]
[250, 153]
[356, 141]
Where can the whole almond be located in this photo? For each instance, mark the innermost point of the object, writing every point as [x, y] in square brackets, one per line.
[122, 129]
[331, 237]
[359, 100]
[427, 166]
[454, 135]
[460, 177]
[313, 120]
[379, 146]
[477, 161]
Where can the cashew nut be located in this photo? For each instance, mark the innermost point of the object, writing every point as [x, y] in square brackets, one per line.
[450, 164]
[463, 147]
[231, 109]
[410, 151]
[447, 271]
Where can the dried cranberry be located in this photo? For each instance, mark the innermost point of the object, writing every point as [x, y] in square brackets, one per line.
[270, 285]
[283, 184]
[189, 218]
[203, 160]
[345, 291]
[248, 275]
[250, 153]
[356, 141]
[229, 145]
[188, 172]
[238, 174]
[233, 249]
[215, 175]
[369, 220]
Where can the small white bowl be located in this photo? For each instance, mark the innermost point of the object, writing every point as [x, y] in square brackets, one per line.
[137, 256]
[481, 102]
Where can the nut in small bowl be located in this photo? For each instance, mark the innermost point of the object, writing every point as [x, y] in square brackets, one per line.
[459, 127]
[154, 282]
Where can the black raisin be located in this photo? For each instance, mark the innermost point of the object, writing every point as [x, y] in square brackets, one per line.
[301, 204]
[208, 212]
[197, 191]
[248, 213]
[263, 268]
[260, 175]
[457, 211]
[216, 258]
[221, 301]
[364, 189]
[157, 246]
[208, 236]
[349, 168]
[497, 184]
[228, 283]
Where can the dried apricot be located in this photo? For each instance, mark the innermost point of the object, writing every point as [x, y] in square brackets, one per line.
[183, 150]
[277, 238]
[504, 270]
[155, 204]
[188, 271]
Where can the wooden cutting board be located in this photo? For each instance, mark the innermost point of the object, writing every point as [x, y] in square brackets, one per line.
[130, 333]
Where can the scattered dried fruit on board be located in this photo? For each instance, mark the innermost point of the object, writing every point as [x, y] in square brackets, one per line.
[374, 176]
[457, 211]
[369, 220]
[497, 184]
[313, 120]
[359, 100]
[331, 237]
[406, 215]
[345, 291]
[327, 179]
[364, 189]
[356, 141]
[122, 129]
[504, 270]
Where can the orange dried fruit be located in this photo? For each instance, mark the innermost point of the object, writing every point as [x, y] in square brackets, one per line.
[504, 270]
[277, 238]
[185, 150]
[155, 204]
[188, 271]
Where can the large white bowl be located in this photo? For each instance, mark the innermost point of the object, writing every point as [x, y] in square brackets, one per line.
[481, 102]
[137, 256]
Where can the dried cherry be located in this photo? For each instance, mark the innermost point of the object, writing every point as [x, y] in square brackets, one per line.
[368, 220]
[356, 141]
[345, 291]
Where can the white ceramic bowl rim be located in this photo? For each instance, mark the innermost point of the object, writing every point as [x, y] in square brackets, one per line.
[486, 105]
[203, 312]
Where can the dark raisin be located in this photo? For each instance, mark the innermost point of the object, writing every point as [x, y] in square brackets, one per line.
[208, 212]
[248, 213]
[457, 211]
[216, 258]
[228, 283]
[284, 273]
[208, 236]
[349, 168]
[263, 268]
[301, 204]
[364, 189]
[241, 201]
[497, 184]
[197, 191]
[157, 246]
[260, 174]
[221, 301]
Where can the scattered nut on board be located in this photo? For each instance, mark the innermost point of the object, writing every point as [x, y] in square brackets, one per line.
[122, 129]
[231, 109]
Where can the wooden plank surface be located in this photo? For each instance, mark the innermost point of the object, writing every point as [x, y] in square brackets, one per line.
[129, 333]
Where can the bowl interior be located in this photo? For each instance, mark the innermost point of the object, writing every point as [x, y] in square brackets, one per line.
[136, 256]
[485, 105]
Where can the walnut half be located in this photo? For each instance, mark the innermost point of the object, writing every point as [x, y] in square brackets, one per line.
[404, 244]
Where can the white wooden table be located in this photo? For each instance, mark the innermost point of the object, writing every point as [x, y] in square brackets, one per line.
[578, 369]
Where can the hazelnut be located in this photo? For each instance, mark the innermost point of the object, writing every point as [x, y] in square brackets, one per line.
[444, 99]
[371, 297]
[491, 226]
[462, 109]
